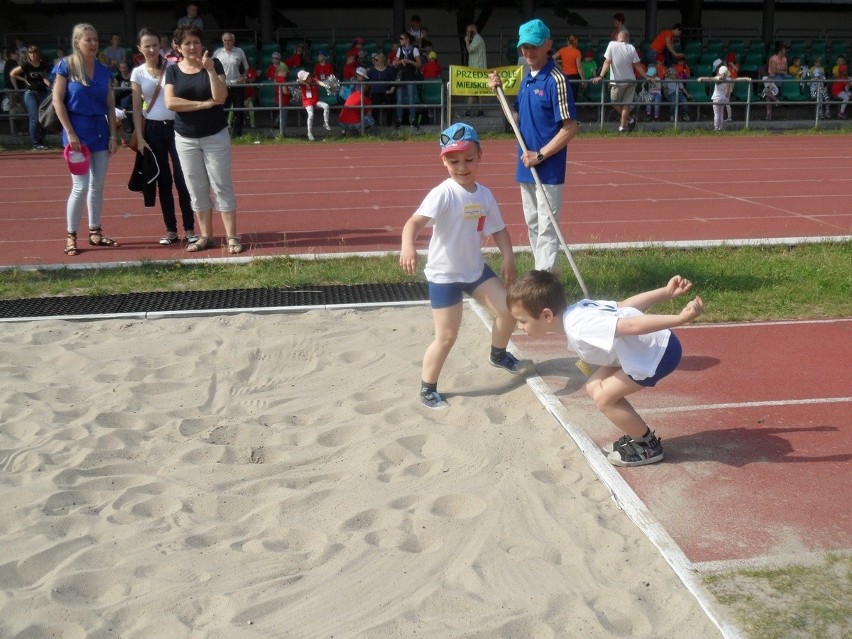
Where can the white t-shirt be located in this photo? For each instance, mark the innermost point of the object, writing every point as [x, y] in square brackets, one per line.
[148, 83]
[621, 56]
[721, 91]
[590, 327]
[459, 219]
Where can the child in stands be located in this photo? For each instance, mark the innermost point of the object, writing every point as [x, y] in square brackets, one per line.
[310, 99]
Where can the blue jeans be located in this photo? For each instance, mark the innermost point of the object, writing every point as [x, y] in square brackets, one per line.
[32, 100]
[160, 136]
[410, 90]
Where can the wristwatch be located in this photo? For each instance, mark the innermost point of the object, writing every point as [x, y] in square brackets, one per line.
[539, 158]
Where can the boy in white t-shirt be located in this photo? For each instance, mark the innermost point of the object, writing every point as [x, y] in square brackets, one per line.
[460, 211]
[631, 349]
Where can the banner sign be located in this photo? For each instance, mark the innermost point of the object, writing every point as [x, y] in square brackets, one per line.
[473, 81]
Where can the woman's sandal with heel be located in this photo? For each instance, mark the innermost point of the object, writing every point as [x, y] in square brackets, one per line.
[97, 238]
[201, 244]
[71, 244]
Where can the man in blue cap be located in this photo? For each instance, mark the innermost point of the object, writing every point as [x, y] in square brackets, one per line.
[547, 119]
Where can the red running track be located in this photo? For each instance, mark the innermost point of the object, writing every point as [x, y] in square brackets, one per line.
[333, 197]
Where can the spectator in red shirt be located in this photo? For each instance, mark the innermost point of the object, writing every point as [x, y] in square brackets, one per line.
[665, 42]
[298, 59]
[323, 68]
[432, 69]
[350, 115]
[349, 68]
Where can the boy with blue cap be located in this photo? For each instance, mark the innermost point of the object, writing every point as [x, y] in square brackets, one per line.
[460, 211]
[547, 119]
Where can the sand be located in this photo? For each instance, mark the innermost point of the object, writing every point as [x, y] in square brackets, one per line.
[274, 476]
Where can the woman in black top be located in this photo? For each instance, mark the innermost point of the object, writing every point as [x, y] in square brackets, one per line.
[195, 90]
[34, 73]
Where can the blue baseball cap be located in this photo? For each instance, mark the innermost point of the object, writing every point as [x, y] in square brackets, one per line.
[534, 32]
[458, 137]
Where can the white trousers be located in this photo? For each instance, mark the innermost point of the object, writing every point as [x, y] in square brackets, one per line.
[544, 240]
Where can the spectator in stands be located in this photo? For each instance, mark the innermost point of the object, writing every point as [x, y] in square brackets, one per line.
[432, 69]
[350, 115]
[115, 53]
[795, 68]
[841, 89]
[776, 66]
[733, 73]
[155, 130]
[818, 90]
[60, 53]
[250, 94]
[654, 89]
[415, 30]
[477, 59]
[769, 94]
[192, 17]
[277, 72]
[124, 97]
[33, 74]
[358, 51]
[622, 61]
[195, 90]
[382, 92]
[676, 94]
[349, 68]
[682, 68]
[235, 63]
[407, 61]
[426, 48]
[569, 57]
[665, 43]
[323, 68]
[617, 26]
[589, 69]
[309, 87]
[299, 58]
[82, 97]
[166, 49]
[721, 94]
[835, 70]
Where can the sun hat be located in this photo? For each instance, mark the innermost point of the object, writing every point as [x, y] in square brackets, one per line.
[276, 54]
[361, 71]
[716, 64]
[433, 55]
[589, 54]
[78, 161]
[652, 71]
[302, 75]
[723, 70]
[458, 137]
[534, 32]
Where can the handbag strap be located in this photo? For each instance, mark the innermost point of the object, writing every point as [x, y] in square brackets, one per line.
[156, 93]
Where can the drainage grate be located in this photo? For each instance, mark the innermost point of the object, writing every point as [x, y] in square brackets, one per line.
[212, 300]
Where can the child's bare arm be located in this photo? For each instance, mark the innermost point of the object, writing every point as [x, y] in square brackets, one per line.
[408, 254]
[676, 287]
[644, 324]
[508, 272]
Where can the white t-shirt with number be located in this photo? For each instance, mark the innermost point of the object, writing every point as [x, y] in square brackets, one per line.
[590, 327]
[458, 219]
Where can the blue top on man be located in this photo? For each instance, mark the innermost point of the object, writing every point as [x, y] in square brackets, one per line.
[547, 120]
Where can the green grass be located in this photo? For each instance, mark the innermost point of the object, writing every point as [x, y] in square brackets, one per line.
[736, 284]
[793, 602]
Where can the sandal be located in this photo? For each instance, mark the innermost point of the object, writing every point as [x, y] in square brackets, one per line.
[97, 238]
[169, 238]
[71, 244]
[234, 245]
[201, 244]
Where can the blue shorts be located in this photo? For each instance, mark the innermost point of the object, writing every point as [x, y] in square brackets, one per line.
[669, 362]
[446, 295]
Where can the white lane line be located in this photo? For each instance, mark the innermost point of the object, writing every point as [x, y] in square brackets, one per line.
[782, 402]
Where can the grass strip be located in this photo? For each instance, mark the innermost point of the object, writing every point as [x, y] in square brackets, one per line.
[736, 283]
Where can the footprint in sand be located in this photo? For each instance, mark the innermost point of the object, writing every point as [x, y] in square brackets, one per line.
[411, 457]
[389, 529]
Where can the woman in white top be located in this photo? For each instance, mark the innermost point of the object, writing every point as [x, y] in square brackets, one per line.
[158, 134]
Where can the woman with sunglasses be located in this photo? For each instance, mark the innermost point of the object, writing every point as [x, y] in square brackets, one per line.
[407, 63]
[34, 73]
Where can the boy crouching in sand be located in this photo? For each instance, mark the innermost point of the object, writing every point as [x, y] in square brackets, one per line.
[460, 211]
[633, 350]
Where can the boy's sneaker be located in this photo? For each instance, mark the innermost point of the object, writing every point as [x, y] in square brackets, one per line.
[433, 400]
[637, 452]
[326, 126]
[606, 449]
[508, 362]
[631, 125]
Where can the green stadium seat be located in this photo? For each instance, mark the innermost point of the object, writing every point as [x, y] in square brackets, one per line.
[512, 51]
[740, 91]
[792, 91]
[818, 48]
[693, 46]
[698, 90]
[756, 47]
[737, 46]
